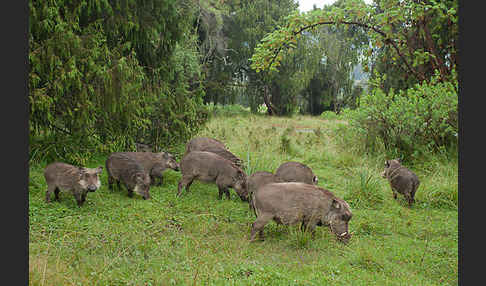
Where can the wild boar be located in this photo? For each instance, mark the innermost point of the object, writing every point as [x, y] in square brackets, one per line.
[296, 172]
[122, 168]
[401, 179]
[211, 168]
[256, 180]
[154, 163]
[292, 203]
[143, 147]
[68, 178]
[195, 144]
[214, 146]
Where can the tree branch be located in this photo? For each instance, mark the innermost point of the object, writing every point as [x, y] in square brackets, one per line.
[366, 26]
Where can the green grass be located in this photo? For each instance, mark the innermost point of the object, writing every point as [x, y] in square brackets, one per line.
[199, 240]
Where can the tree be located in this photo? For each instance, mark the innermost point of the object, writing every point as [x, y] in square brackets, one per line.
[247, 22]
[420, 36]
[103, 74]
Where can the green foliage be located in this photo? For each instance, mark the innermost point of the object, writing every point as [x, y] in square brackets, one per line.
[246, 24]
[227, 110]
[330, 115]
[365, 192]
[104, 74]
[420, 119]
[420, 36]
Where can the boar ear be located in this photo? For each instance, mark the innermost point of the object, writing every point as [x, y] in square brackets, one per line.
[387, 163]
[99, 170]
[315, 180]
[335, 204]
[399, 160]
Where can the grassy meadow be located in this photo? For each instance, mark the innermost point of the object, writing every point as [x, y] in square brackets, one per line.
[199, 240]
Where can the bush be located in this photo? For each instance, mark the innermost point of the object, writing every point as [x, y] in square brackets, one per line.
[330, 115]
[420, 119]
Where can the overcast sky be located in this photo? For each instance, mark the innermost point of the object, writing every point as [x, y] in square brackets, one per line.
[306, 5]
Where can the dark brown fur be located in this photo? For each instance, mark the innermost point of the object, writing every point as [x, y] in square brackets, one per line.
[212, 168]
[292, 203]
[214, 146]
[68, 178]
[154, 163]
[296, 172]
[195, 144]
[257, 180]
[125, 169]
[401, 179]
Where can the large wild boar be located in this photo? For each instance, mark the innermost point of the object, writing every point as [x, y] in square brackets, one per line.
[401, 179]
[296, 172]
[292, 203]
[154, 163]
[122, 168]
[78, 180]
[212, 168]
[257, 180]
[214, 146]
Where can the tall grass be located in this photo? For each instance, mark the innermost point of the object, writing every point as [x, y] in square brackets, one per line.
[199, 240]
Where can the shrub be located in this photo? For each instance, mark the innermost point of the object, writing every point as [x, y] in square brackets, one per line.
[329, 115]
[365, 192]
[410, 122]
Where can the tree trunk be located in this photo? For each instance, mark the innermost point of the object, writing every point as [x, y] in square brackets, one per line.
[271, 110]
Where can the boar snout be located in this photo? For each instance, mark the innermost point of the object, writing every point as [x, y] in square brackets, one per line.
[344, 237]
[341, 231]
[92, 188]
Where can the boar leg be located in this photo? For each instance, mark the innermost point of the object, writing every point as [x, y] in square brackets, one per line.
[410, 199]
[160, 181]
[130, 192]
[50, 188]
[110, 182]
[258, 226]
[221, 191]
[185, 182]
[153, 180]
[83, 197]
[78, 198]
[56, 194]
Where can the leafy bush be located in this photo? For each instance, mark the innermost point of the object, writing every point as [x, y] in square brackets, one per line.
[330, 115]
[420, 119]
[100, 83]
